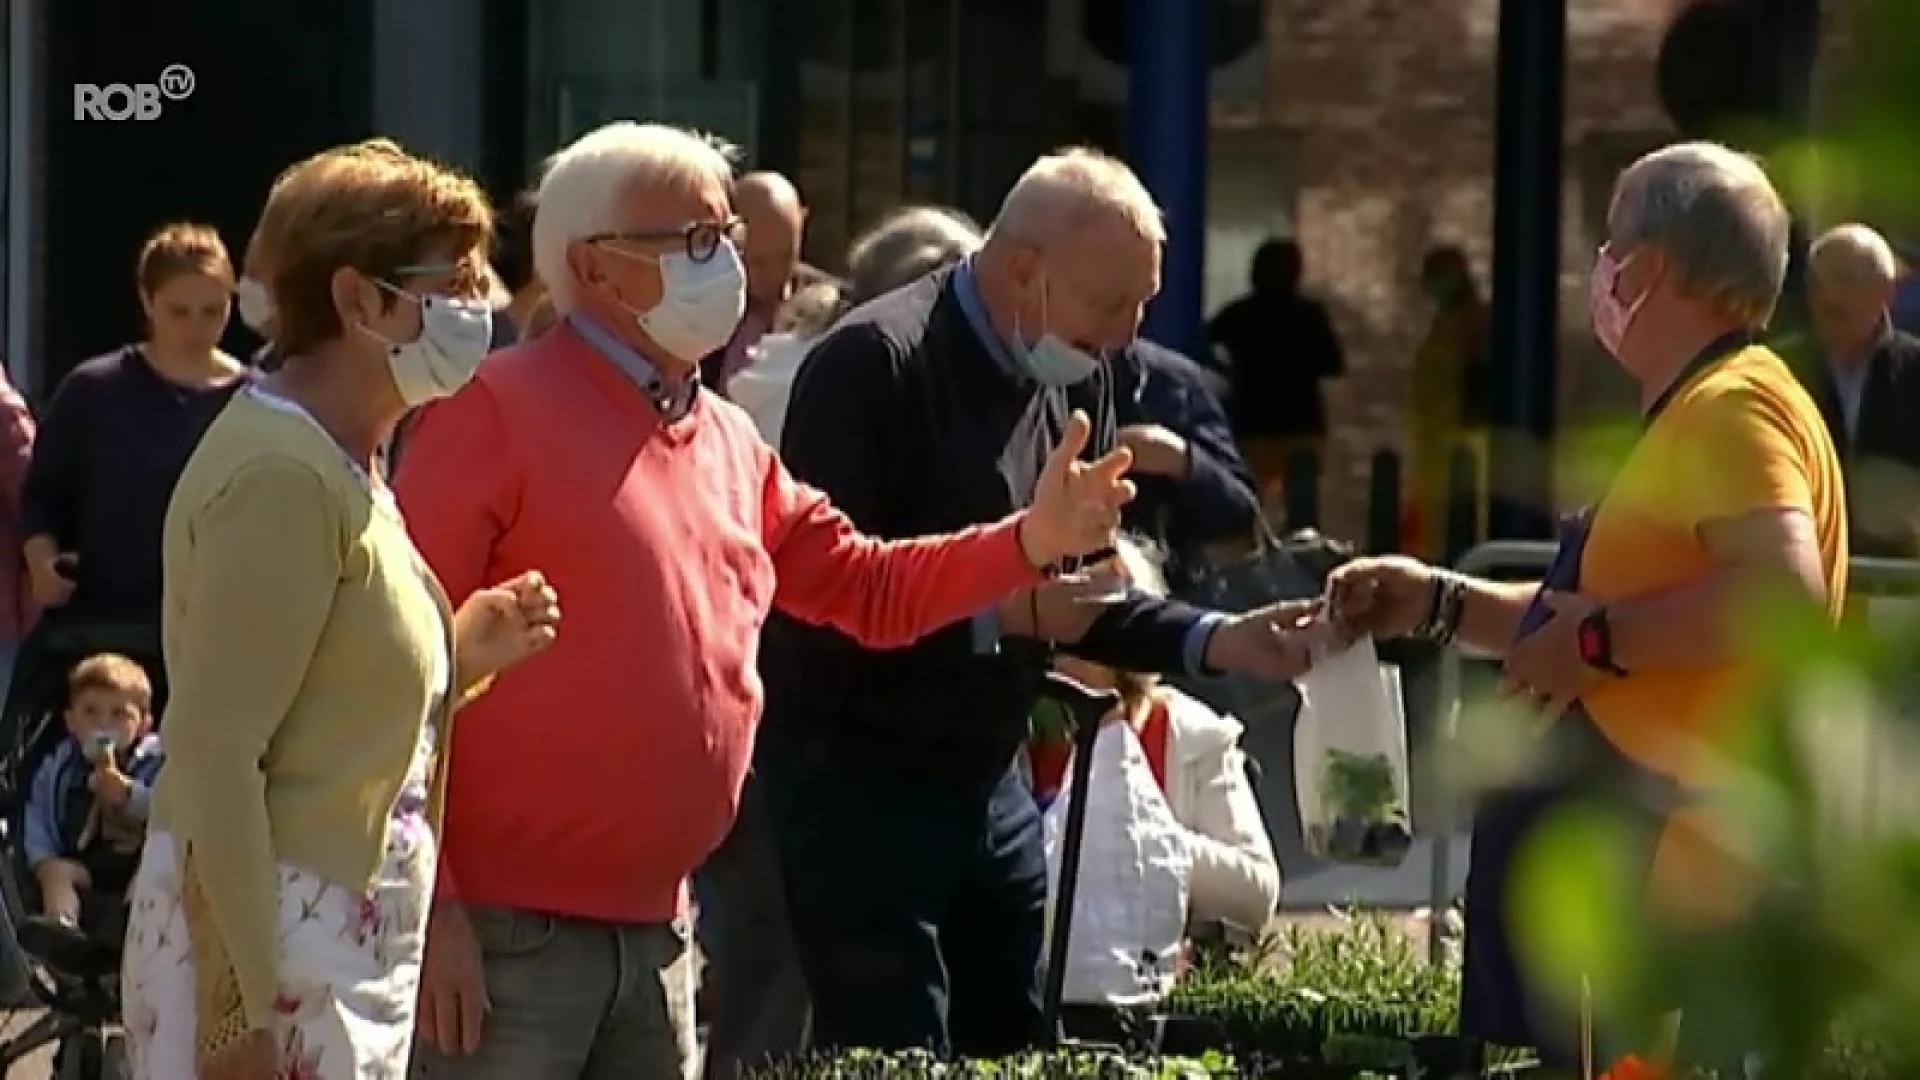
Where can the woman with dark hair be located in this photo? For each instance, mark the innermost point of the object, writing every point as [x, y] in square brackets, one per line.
[114, 439]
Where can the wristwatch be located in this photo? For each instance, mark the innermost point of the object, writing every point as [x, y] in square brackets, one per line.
[1596, 642]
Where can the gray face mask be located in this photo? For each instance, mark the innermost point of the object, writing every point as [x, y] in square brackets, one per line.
[1050, 361]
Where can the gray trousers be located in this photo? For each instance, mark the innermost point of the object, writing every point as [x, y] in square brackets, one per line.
[574, 1000]
[754, 986]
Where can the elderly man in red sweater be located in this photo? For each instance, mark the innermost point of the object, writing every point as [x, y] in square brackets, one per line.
[586, 788]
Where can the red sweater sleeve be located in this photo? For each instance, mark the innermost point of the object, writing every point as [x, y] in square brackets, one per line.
[458, 486]
[458, 489]
[885, 594]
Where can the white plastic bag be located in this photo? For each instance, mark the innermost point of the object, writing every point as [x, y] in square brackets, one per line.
[1350, 759]
[1130, 909]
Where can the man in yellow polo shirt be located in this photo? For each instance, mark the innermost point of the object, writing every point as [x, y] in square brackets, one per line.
[1632, 642]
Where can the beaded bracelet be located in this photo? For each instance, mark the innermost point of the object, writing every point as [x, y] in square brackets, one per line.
[1449, 601]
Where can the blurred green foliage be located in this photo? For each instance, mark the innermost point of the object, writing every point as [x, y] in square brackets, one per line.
[1862, 160]
[1815, 791]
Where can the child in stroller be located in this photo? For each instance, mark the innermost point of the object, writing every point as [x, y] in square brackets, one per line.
[85, 815]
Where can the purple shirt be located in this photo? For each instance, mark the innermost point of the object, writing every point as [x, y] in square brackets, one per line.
[110, 449]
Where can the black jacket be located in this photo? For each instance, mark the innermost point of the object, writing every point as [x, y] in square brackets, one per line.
[907, 421]
[1281, 349]
[1882, 458]
[1152, 384]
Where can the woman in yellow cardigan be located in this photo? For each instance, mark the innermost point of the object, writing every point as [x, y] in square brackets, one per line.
[279, 916]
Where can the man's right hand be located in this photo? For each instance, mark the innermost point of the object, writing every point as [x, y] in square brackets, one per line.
[50, 584]
[453, 985]
[1383, 596]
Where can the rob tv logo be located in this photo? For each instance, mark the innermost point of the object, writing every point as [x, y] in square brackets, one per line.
[136, 101]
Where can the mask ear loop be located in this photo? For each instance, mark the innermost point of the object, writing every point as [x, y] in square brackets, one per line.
[420, 302]
[1046, 312]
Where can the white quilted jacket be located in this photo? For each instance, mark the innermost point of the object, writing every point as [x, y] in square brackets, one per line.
[1151, 865]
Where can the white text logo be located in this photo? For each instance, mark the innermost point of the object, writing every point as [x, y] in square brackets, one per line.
[135, 101]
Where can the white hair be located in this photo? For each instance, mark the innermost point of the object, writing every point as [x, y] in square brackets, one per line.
[1716, 217]
[1057, 194]
[583, 183]
[1853, 254]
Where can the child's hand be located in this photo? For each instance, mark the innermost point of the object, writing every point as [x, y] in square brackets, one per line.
[110, 786]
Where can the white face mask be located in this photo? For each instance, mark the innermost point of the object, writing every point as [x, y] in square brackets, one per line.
[1050, 361]
[701, 302]
[455, 336]
[255, 303]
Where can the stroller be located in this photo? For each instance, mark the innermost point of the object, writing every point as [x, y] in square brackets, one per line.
[80, 994]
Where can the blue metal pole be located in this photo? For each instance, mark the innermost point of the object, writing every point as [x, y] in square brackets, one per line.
[1167, 100]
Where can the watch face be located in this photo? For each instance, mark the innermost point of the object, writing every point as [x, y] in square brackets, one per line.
[1591, 646]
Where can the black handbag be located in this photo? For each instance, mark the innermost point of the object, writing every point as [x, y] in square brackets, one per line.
[1291, 568]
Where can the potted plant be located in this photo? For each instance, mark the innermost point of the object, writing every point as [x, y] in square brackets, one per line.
[1064, 1064]
[1364, 820]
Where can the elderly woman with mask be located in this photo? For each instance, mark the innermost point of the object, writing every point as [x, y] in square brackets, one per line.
[279, 914]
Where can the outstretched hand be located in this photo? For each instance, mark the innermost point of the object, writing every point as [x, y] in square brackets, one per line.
[1273, 642]
[1076, 504]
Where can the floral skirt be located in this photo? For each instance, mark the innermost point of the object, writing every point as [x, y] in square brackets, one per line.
[349, 966]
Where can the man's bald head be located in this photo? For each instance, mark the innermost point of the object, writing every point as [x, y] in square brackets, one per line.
[1851, 271]
[767, 191]
[776, 220]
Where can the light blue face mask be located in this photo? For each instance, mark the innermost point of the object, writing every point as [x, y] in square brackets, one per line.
[1051, 361]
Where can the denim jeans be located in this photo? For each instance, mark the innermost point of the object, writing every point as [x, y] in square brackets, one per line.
[574, 1000]
[918, 902]
[754, 985]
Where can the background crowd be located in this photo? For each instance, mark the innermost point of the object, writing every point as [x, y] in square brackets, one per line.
[804, 637]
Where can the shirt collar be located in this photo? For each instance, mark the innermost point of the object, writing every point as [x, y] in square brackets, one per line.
[672, 401]
[967, 291]
[1718, 349]
[1858, 368]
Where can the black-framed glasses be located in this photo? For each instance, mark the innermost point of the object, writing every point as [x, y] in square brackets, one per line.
[700, 240]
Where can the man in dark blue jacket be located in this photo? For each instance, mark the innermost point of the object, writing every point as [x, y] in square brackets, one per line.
[907, 835]
[1195, 488]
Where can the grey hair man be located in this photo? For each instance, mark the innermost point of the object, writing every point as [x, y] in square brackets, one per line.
[909, 841]
[906, 246]
[562, 950]
[1633, 644]
[1851, 273]
[1864, 373]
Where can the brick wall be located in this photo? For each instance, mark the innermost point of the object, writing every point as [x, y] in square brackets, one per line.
[1391, 106]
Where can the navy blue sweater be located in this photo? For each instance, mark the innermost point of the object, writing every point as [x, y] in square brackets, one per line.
[111, 445]
[1215, 501]
[902, 416]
